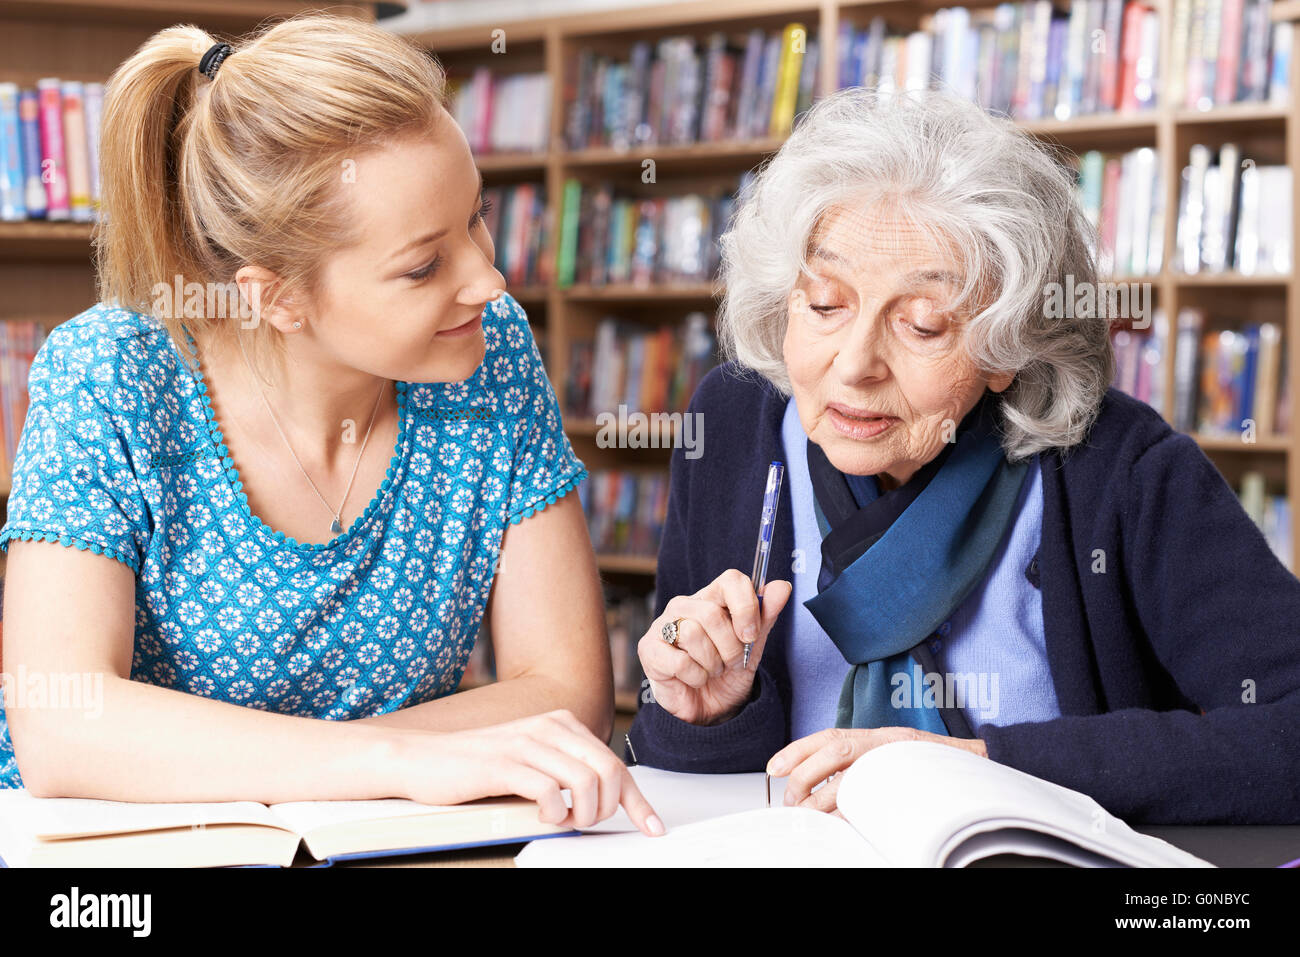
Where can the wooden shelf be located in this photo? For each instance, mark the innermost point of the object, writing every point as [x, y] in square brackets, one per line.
[629, 564]
[1097, 131]
[1228, 443]
[511, 162]
[617, 292]
[699, 157]
[45, 241]
[1229, 280]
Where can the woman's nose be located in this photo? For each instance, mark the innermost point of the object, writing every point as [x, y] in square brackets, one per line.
[487, 285]
[860, 355]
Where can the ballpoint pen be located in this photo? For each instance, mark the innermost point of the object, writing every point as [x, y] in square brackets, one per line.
[763, 551]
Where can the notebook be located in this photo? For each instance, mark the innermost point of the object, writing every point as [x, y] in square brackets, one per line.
[73, 832]
[905, 804]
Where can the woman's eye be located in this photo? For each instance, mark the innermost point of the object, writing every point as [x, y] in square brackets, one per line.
[823, 309]
[425, 271]
[484, 208]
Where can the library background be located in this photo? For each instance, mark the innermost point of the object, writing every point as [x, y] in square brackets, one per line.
[614, 136]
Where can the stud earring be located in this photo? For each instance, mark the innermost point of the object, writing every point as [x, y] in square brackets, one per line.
[297, 323]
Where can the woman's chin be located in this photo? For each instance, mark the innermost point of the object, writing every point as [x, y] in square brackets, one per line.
[452, 363]
[849, 457]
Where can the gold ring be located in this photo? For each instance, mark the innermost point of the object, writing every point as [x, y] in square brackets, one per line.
[669, 631]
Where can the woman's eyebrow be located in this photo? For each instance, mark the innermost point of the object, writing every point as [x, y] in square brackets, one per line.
[430, 237]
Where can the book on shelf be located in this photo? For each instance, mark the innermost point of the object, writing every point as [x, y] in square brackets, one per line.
[1272, 513]
[1123, 199]
[49, 150]
[517, 220]
[1018, 59]
[607, 236]
[905, 804]
[19, 341]
[502, 113]
[1233, 215]
[625, 510]
[1229, 382]
[1139, 360]
[645, 368]
[76, 832]
[1227, 51]
[683, 89]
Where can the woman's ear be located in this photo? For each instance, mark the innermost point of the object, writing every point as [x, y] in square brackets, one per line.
[258, 286]
[999, 382]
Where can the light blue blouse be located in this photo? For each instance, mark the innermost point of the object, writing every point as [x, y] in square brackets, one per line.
[994, 646]
[121, 456]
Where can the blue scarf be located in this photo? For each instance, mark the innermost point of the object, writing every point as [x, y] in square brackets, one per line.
[896, 566]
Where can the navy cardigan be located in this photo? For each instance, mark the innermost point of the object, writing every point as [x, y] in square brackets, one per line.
[1172, 630]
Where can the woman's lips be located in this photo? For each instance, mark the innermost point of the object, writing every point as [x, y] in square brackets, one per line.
[857, 423]
[464, 329]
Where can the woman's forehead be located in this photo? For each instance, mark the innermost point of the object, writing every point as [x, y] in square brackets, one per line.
[872, 238]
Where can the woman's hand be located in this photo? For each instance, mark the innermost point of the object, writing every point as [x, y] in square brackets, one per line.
[824, 755]
[702, 679]
[534, 757]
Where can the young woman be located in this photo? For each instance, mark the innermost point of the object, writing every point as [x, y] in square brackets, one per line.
[294, 503]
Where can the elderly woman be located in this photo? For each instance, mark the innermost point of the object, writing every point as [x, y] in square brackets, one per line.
[968, 505]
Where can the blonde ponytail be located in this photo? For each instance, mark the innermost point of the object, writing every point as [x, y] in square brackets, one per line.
[200, 177]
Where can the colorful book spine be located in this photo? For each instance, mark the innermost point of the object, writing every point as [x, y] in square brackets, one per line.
[35, 196]
[77, 150]
[54, 167]
[94, 98]
[12, 204]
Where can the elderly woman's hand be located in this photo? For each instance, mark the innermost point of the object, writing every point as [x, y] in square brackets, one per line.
[702, 678]
[823, 756]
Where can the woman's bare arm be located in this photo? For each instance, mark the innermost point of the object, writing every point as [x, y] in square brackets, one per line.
[69, 623]
[548, 633]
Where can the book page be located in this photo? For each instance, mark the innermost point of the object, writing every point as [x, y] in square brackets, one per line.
[776, 837]
[304, 817]
[56, 818]
[917, 801]
[680, 798]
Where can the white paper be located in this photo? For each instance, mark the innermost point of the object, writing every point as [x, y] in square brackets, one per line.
[776, 837]
[680, 798]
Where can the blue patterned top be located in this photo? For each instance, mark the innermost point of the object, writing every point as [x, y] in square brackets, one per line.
[121, 455]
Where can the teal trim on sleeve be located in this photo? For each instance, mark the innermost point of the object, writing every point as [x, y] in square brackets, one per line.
[542, 501]
[62, 538]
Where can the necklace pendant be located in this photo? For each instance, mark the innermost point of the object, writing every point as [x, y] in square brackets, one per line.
[335, 527]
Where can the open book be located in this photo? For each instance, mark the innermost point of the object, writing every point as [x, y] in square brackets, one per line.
[906, 804]
[72, 832]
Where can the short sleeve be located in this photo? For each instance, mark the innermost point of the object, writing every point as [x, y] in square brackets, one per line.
[545, 467]
[73, 482]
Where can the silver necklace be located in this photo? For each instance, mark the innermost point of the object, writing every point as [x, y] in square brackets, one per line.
[336, 526]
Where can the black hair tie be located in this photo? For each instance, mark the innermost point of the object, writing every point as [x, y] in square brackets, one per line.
[213, 59]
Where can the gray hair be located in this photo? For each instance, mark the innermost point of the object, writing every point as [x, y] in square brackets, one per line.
[967, 178]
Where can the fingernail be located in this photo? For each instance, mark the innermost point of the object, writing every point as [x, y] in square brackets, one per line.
[655, 825]
[789, 798]
[750, 632]
[776, 768]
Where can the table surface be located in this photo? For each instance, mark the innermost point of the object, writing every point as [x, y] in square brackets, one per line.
[1226, 846]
